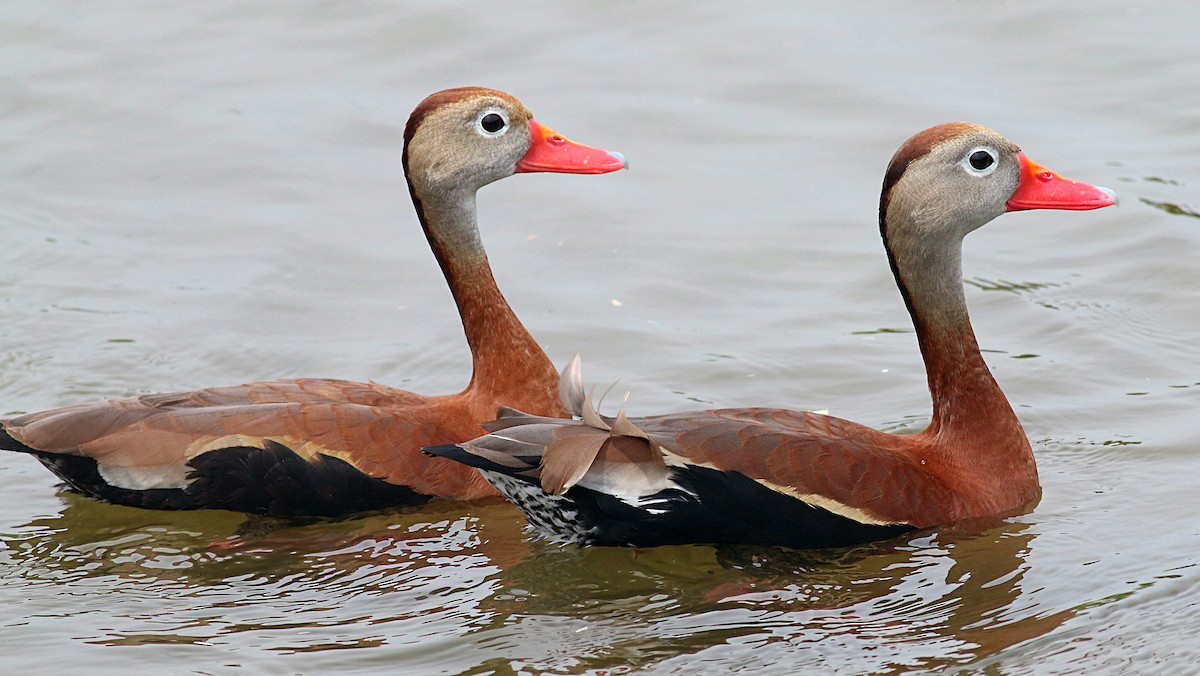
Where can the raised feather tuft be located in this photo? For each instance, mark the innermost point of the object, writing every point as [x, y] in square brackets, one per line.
[573, 453]
[570, 386]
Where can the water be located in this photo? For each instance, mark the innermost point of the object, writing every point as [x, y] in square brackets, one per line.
[198, 194]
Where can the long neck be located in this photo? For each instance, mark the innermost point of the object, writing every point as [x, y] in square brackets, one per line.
[508, 366]
[970, 413]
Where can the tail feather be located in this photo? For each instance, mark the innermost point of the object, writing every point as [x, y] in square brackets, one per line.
[570, 386]
[511, 417]
[9, 443]
[560, 453]
[569, 457]
[485, 460]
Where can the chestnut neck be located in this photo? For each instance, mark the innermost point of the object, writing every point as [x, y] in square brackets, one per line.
[973, 422]
[508, 366]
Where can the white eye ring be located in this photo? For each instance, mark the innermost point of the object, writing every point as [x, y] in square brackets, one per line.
[980, 155]
[487, 119]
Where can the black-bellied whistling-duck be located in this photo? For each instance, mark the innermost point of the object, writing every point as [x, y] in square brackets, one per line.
[326, 447]
[774, 476]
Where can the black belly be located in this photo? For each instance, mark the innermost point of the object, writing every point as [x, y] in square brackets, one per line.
[717, 507]
[272, 481]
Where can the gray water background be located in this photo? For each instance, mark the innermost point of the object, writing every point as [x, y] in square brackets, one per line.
[196, 194]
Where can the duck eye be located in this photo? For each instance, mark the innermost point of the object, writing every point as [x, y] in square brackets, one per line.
[493, 123]
[980, 160]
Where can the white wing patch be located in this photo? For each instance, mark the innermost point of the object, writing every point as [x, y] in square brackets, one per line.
[831, 505]
[145, 478]
[174, 475]
[633, 484]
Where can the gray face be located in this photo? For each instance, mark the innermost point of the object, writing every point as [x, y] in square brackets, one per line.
[466, 144]
[962, 183]
[953, 179]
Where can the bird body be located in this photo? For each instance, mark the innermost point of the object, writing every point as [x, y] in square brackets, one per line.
[775, 476]
[310, 447]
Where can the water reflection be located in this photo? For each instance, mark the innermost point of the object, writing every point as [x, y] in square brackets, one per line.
[205, 578]
[959, 590]
[1008, 286]
[199, 577]
[945, 598]
[1171, 208]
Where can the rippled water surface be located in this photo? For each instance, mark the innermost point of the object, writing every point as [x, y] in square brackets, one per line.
[208, 193]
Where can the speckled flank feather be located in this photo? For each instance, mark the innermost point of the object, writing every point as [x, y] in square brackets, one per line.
[552, 515]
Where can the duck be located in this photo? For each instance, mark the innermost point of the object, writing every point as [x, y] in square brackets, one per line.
[323, 447]
[773, 476]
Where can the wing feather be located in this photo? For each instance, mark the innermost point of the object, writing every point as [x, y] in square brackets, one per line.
[375, 429]
[566, 459]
